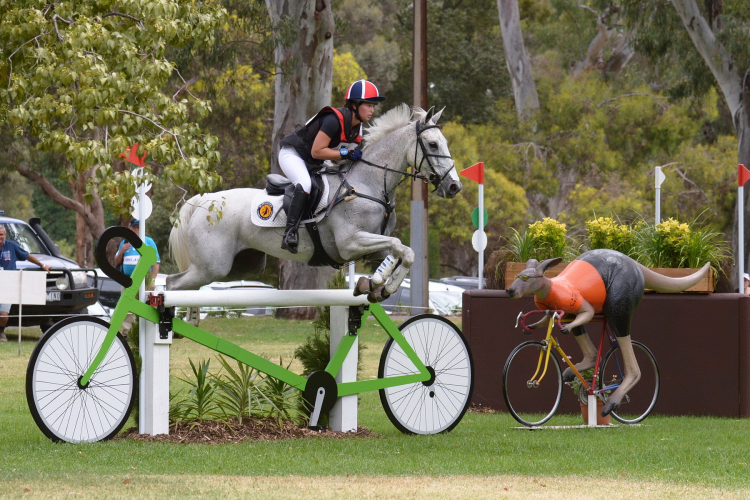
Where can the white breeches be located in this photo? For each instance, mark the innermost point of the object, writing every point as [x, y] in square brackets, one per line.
[294, 168]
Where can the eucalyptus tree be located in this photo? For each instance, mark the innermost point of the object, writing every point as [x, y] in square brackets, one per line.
[84, 80]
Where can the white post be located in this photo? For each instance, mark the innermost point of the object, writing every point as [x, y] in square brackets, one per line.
[20, 308]
[156, 369]
[592, 411]
[741, 238]
[343, 415]
[658, 179]
[142, 325]
[351, 276]
[481, 229]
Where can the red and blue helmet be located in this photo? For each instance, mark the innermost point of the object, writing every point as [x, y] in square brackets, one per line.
[363, 91]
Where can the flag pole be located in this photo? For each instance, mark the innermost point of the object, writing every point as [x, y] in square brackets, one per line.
[743, 175]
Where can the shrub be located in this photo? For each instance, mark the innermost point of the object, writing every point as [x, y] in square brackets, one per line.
[605, 232]
[542, 240]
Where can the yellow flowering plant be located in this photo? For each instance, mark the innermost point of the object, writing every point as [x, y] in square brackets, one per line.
[542, 240]
[605, 232]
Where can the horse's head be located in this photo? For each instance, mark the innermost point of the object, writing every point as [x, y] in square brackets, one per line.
[432, 159]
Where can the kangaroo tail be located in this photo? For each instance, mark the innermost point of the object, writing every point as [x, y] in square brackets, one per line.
[660, 283]
[178, 237]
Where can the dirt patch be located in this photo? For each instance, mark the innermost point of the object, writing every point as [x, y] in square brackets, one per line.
[231, 431]
[475, 408]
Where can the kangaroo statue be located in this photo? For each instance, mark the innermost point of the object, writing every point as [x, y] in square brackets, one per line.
[598, 281]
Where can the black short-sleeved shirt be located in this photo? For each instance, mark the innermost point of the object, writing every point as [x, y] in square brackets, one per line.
[329, 124]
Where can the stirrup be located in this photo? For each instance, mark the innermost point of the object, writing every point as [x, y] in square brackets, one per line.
[290, 241]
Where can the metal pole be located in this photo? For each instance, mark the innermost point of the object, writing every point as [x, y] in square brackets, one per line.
[20, 309]
[658, 179]
[351, 276]
[419, 240]
[741, 238]
[481, 229]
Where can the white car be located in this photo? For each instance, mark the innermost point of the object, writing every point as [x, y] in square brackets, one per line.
[444, 300]
[234, 285]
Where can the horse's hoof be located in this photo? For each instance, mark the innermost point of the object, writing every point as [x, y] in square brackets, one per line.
[609, 407]
[378, 295]
[364, 286]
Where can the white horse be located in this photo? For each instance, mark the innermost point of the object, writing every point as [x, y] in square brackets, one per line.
[234, 246]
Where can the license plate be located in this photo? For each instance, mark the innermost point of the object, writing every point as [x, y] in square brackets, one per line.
[53, 296]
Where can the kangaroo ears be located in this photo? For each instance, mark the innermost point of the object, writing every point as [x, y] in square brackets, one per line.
[542, 268]
[532, 263]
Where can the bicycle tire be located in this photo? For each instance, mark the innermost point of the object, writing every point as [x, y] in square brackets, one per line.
[528, 405]
[63, 409]
[424, 407]
[640, 401]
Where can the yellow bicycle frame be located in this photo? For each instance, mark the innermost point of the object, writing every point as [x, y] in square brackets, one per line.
[550, 341]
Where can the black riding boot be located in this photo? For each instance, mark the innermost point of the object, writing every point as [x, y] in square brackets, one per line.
[293, 218]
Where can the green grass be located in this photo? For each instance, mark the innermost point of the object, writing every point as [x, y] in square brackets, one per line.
[701, 451]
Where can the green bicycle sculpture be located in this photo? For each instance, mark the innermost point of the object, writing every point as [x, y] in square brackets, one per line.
[81, 381]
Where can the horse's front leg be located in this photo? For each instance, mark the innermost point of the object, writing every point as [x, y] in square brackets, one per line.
[361, 244]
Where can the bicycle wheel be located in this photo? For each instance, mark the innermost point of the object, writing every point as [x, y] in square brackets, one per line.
[531, 405]
[61, 407]
[638, 403]
[438, 404]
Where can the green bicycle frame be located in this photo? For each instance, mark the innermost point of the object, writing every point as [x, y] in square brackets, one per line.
[129, 303]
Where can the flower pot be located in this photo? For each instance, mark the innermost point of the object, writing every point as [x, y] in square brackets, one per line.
[705, 285]
[599, 419]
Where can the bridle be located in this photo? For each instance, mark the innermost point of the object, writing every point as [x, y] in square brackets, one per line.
[434, 178]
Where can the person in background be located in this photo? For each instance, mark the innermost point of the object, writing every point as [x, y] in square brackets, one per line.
[746, 288]
[10, 253]
[128, 258]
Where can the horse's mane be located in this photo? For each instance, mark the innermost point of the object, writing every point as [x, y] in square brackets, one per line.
[394, 119]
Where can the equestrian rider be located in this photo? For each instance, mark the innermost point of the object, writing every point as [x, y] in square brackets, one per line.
[318, 140]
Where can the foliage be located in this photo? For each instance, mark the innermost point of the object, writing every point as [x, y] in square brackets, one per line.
[238, 393]
[604, 232]
[675, 244]
[542, 240]
[345, 71]
[577, 386]
[85, 80]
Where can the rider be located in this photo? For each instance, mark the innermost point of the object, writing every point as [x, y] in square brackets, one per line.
[318, 140]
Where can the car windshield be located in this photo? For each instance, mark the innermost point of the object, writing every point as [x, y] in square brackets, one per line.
[24, 236]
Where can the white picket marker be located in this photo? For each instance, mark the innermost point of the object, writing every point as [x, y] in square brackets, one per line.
[658, 179]
[343, 415]
[23, 288]
[592, 410]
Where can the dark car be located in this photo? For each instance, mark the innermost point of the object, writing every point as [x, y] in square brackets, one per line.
[70, 289]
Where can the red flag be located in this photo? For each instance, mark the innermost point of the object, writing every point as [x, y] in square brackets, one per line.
[476, 172]
[743, 175]
[131, 155]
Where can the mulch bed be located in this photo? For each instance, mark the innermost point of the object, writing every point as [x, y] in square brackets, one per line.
[474, 408]
[231, 431]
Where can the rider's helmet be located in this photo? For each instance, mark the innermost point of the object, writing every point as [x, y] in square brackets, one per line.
[363, 91]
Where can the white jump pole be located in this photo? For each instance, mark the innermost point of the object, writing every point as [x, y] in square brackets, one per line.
[343, 415]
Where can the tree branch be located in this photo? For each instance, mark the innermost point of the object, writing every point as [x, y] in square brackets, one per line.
[66, 21]
[127, 16]
[176, 140]
[10, 60]
[49, 189]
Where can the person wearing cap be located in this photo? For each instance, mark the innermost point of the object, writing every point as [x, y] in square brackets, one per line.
[128, 258]
[318, 140]
[10, 253]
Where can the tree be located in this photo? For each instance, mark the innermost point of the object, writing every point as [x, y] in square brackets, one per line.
[517, 59]
[303, 86]
[84, 80]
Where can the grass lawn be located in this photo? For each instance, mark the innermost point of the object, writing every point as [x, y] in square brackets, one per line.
[483, 457]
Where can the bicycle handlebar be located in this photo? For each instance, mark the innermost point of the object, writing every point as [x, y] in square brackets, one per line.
[101, 252]
[556, 315]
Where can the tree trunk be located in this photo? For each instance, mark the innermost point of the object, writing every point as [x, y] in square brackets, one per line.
[736, 91]
[303, 86]
[517, 59]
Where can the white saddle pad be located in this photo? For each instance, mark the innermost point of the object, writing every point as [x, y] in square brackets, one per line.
[268, 211]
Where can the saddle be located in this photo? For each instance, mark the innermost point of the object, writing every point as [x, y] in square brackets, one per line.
[277, 185]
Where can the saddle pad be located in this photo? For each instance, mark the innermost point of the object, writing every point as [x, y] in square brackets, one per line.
[268, 211]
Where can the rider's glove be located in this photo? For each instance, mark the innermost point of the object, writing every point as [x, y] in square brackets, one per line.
[350, 154]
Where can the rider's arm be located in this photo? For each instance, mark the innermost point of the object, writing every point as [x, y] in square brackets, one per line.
[329, 128]
[583, 316]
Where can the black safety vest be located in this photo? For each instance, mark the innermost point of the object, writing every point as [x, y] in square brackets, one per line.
[303, 137]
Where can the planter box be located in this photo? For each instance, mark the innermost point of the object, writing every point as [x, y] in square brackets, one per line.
[705, 285]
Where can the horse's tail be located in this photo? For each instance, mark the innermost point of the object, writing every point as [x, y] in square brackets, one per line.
[178, 237]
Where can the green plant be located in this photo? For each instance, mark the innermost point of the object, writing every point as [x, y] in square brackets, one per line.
[577, 386]
[199, 403]
[542, 240]
[282, 401]
[237, 389]
[605, 232]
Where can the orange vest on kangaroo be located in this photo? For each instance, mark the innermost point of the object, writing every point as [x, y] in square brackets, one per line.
[579, 281]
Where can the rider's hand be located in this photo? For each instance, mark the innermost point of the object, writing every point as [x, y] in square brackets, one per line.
[355, 154]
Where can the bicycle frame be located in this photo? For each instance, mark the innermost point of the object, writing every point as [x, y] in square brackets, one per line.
[129, 303]
[551, 342]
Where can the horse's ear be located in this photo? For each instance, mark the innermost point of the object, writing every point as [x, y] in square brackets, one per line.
[542, 268]
[429, 115]
[436, 116]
